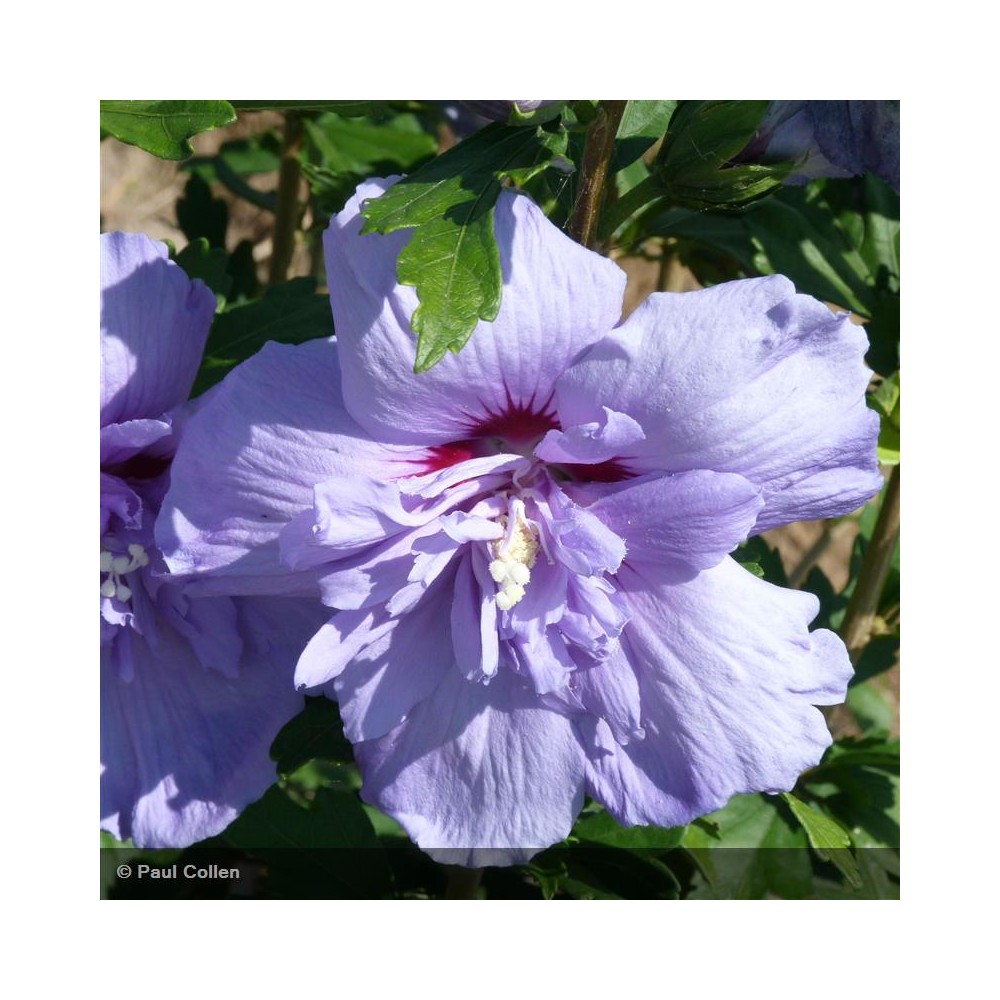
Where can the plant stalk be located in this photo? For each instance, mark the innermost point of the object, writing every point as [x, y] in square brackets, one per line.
[597, 153]
[287, 209]
[859, 617]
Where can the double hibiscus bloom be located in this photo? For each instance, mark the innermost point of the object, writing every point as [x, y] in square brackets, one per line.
[524, 552]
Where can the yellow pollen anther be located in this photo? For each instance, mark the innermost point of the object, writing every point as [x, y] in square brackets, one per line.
[514, 555]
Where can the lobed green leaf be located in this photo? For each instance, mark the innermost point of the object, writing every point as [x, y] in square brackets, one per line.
[163, 128]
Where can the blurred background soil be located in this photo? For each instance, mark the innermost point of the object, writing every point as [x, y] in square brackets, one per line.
[139, 193]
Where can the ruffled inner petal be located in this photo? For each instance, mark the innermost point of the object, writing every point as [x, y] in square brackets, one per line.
[693, 519]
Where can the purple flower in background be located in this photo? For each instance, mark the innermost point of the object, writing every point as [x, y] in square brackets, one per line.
[528, 544]
[467, 117]
[831, 138]
[192, 691]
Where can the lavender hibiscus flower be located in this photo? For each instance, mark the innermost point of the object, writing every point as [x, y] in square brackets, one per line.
[830, 139]
[529, 544]
[192, 691]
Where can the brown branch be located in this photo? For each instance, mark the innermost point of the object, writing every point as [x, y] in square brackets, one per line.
[597, 152]
[860, 615]
[287, 208]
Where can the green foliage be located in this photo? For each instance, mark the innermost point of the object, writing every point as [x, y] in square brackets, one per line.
[349, 109]
[857, 783]
[695, 168]
[885, 402]
[642, 124]
[209, 264]
[452, 259]
[291, 313]
[827, 837]
[836, 240]
[324, 847]
[342, 152]
[646, 119]
[601, 828]
[163, 128]
[317, 731]
[762, 560]
[239, 159]
[587, 872]
[751, 848]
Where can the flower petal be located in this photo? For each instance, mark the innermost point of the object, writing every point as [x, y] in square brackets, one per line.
[184, 749]
[592, 443]
[478, 774]
[474, 618]
[692, 518]
[120, 442]
[728, 676]
[120, 500]
[149, 353]
[557, 299]
[399, 667]
[745, 377]
[247, 464]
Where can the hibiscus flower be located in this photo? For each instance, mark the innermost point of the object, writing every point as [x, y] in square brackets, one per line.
[193, 691]
[528, 545]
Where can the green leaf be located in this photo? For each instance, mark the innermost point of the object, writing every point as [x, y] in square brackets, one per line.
[646, 119]
[756, 552]
[256, 154]
[239, 158]
[207, 264]
[317, 731]
[586, 871]
[601, 828]
[163, 127]
[326, 848]
[796, 235]
[341, 152]
[723, 231]
[885, 401]
[695, 165]
[454, 264]
[872, 705]
[452, 259]
[642, 124]
[827, 837]
[858, 784]
[291, 313]
[349, 109]
[750, 849]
